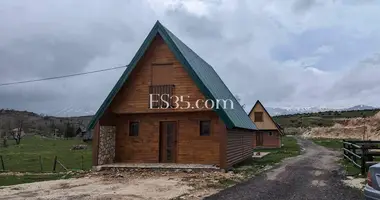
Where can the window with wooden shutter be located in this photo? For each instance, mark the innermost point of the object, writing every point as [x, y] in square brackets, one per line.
[162, 74]
[259, 117]
[162, 87]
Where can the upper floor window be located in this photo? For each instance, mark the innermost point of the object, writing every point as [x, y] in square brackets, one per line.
[161, 88]
[162, 74]
[258, 116]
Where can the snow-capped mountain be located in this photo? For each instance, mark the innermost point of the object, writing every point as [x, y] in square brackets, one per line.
[289, 111]
[361, 107]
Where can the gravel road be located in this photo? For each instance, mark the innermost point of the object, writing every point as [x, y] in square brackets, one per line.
[314, 175]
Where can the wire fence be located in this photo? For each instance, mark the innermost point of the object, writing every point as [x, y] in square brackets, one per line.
[38, 163]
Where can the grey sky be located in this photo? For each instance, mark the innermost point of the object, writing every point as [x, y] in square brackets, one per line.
[295, 53]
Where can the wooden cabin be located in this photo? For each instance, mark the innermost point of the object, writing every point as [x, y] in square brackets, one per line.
[135, 125]
[269, 132]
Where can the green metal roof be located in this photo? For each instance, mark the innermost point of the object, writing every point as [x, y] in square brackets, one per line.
[199, 70]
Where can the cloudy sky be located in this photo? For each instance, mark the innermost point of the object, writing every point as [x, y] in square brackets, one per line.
[287, 53]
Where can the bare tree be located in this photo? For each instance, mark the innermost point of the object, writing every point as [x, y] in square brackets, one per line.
[17, 134]
[7, 129]
[5, 138]
[239, 100]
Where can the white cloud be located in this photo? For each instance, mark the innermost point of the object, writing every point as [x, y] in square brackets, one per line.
[287, 53]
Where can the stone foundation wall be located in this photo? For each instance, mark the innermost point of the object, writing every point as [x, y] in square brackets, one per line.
[106, 152]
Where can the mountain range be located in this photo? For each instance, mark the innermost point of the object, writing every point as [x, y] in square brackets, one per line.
[289, 111]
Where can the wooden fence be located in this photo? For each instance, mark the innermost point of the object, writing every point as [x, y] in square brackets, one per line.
[361, 153]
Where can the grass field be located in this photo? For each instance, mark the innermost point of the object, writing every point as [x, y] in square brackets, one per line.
[250, 167]
[320, 119]
[6, 180]
[25, 157]
[336, 144]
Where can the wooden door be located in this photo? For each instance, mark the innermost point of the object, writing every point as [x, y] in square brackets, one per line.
[259, 139]
[168, 142]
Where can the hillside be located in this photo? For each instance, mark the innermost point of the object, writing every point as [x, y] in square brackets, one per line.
[33, 123]
[327, 118]
[355, 128]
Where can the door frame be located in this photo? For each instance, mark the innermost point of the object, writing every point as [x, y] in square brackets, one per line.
[161, 148]
[259, 139]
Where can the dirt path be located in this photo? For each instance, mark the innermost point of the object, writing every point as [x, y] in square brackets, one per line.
[98, 187]
[314, 175]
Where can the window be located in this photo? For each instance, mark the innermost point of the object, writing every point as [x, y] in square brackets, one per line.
[162, 73]
[258, 116]
[133, 128]
[270, 133]
[204, 128]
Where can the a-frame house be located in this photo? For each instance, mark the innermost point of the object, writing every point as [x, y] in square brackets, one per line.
[269, 132]
[170, 106]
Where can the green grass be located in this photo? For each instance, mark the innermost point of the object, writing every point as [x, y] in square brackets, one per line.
[6, 180]
[253, 166]
[336, 144]
[25, 157]
[320, 119]
[350, 169]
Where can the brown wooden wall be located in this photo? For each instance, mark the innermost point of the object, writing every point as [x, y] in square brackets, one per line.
[134, 95]
[191, 147]
[239, 146]
[269, 141]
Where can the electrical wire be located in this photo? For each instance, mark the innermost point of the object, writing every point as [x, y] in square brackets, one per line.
[60, 77]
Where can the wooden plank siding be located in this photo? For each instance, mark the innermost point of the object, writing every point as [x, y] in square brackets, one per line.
[133, 97]
[191, 147]
[269, 141]
[239, 146]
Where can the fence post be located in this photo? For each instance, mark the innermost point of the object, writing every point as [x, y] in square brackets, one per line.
[40, 159]
[81, 162]
[363, 167]
[2, 163]
[349, 148]
[55, 163]
[354, 151]
[344, 152]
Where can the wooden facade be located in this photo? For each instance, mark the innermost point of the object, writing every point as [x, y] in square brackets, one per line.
[134, 95]
[169, 135]
[269, 133]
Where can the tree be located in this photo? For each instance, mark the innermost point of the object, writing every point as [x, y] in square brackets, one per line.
[69, 131]
[52, 128]
[239, 100]
[17, 134]
[3, 136]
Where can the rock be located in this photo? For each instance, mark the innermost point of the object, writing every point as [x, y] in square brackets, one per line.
[188, 170]
[79, 147]
[97, 168]
[119, 176]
